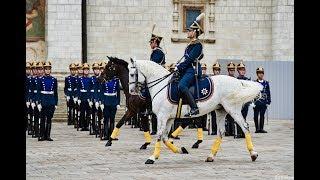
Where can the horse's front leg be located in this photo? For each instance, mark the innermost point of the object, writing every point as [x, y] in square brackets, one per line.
[220, 116]
[168, 143]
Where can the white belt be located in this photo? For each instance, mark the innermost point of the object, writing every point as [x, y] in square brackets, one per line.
[69, 89]
[35, 91]
[83, 90]
[75, 89]
[30, 90]
[92, 90]
[47, 92]
[110, 94]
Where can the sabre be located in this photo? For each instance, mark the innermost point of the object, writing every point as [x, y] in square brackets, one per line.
[267, 116]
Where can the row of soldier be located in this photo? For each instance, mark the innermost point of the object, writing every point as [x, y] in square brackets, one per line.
[91, 105]
[41, 99]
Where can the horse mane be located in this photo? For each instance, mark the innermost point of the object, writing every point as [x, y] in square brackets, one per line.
[119, 61]
[152, 68]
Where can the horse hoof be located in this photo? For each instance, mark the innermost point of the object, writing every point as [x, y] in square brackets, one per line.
[184, 150]
[254, 156]
[108, 143]
[144, 146]
[149, 161]
[209, 159]
[195, 146]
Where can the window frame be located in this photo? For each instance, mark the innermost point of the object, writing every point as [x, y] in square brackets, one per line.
[193, 7]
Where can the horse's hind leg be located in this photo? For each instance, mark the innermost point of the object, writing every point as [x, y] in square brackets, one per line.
[169, 144]
[220, 118]
[176, 132]
[236, 114]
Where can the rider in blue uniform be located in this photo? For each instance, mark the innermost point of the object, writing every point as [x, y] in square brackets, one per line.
[190, 68]
[84, 96]
[157, 56]
[241, 68]
[48, 101]
[262, 103]
[69, 86]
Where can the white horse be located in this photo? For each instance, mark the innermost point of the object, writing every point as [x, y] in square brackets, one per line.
[229, 94]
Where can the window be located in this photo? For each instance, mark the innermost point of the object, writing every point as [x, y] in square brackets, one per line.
[190, 14]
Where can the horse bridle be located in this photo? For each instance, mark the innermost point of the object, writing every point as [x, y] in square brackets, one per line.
[140, 86]
[110, 68]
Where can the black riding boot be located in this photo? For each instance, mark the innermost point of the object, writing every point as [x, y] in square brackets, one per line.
[48, 132]
[194, 108]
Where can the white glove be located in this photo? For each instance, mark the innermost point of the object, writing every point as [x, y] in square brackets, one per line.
[253, 105]
[176, 68]
[68, 98]
[118, 106]
[97, 105]
[33, 105]
[28, 104]
[39, 107]
[90, 103]
[55, 107]
[79, 101]
[102, 106]
[75, 100]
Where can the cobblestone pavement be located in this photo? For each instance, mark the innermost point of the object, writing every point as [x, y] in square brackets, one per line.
[77, 155]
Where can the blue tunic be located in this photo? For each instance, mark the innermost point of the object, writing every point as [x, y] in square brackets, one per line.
[84, 88]
[48, 91]
[70, 84]
[265, 92]
[28, 89]
[110, 92]
[95, 89]
[192, 53]
[158, 56]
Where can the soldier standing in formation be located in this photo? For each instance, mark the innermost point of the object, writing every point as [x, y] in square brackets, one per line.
[95, 90]
[110, 99]
[69, 91]
[48, 102]
[261, 104]
[84, 96]
[216, 68]
[28, 92]
[229, 120]
[241, 68]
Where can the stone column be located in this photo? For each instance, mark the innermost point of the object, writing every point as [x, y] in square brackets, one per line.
[175, 16]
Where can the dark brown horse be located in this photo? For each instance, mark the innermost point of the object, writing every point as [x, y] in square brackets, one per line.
[119, 68]
[135, 104]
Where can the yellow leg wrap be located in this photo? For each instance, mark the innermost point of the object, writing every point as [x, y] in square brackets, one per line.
[172, 147]
[249, 142]
[115, 133]
[147, 137]
[216, 145]
[177, 131]
[200, 133]
[157, 148]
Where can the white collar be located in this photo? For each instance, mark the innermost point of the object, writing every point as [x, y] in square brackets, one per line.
[260, 80]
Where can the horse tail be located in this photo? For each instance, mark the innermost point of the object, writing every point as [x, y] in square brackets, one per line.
[249, 90]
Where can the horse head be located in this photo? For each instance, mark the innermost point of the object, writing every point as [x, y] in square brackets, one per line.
[114, 68]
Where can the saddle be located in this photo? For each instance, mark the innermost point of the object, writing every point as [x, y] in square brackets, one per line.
[204, 91]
